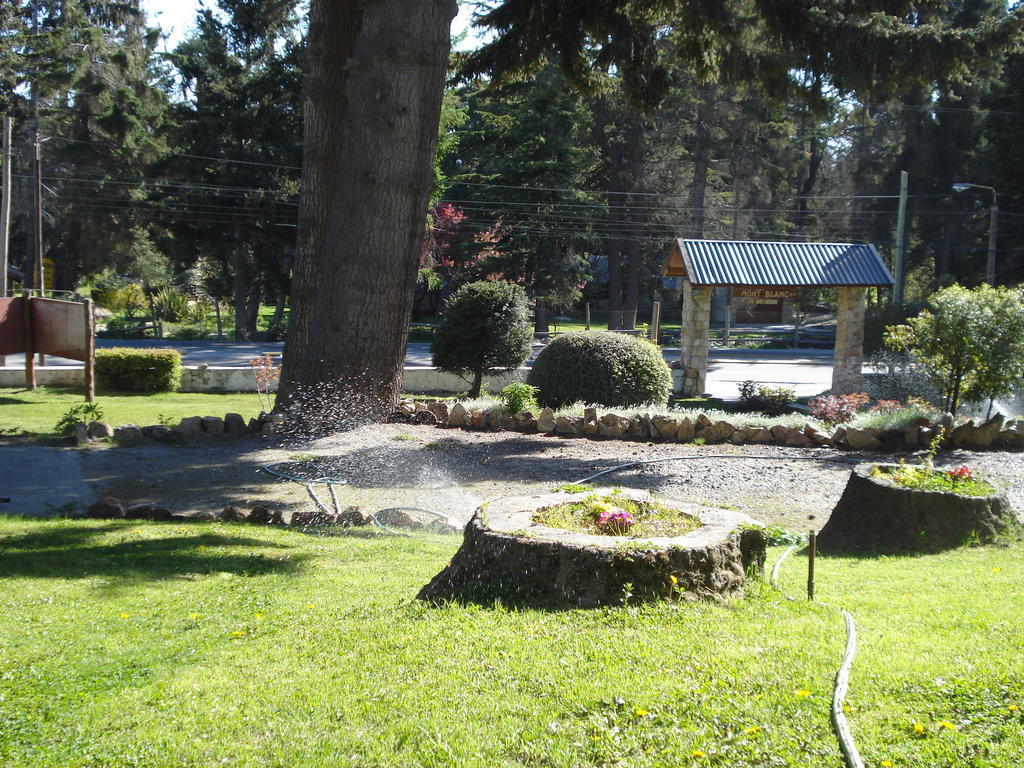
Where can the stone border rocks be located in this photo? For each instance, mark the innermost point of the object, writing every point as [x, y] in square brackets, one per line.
[995, 432]
[506, 555]
[111, 508]
[876, 515]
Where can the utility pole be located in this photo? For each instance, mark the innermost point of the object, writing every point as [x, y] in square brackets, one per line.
[5, 212]
[901, 240]
[993, 228]
[37, 192]
[37, 221]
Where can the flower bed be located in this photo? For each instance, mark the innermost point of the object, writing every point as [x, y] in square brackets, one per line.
[615, 514]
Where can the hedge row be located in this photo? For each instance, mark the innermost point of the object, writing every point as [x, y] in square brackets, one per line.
[122, 369]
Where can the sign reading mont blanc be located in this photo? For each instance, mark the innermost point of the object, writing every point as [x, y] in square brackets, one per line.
[764, 295]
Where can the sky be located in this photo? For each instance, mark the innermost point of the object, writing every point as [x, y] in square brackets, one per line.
[177, 16]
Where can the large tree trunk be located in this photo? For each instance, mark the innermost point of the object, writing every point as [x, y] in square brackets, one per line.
[374, 80]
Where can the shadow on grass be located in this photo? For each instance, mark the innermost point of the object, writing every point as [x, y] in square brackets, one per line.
[79, 552]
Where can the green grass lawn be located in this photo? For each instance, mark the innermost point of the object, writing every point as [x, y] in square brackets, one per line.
[35, 413]
[125, 644]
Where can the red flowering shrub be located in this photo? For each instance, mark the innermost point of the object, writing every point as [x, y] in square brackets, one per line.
[838, 409]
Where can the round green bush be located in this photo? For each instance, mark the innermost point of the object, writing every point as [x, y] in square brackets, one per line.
[485, 327]
[600, 368]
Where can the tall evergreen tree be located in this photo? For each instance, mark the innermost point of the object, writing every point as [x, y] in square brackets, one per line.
[85, 76]
[241, 73]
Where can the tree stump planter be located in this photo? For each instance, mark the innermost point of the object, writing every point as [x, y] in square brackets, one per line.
[506, 555]
[876, 515]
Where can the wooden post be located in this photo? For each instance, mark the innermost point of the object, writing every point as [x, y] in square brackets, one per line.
[588, 315]
[90, 352]
[655, 321]
[30, 363]
[728, 315]
[812, 547]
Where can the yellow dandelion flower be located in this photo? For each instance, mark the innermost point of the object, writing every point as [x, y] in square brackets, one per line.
[238, 633]
[803, 693]
[640, 712]
[124, 615]
[752, 730]
[996, 570]
[674, 579]
[311, 606]
[1012, 708]
[193, 616]
[258, 615]
[698, 754]
[918, 727]
[947, 725]
[886, 764]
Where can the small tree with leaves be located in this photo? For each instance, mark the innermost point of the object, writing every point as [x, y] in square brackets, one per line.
[970, 342]
[485, 328]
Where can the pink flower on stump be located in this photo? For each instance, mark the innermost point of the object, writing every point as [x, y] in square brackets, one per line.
[615, 521]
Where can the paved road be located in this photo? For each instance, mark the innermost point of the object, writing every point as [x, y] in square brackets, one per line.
[808, 371]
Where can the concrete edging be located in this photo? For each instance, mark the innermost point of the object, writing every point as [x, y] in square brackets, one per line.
[229, 379]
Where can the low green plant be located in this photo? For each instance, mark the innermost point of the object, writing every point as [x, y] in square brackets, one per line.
[84, 413]
[125, 369]
[613, 514]
[198, 313]
[190, 333]
[171, 304]
[573, 488]
[165, 420]
[777, 535]
[768, 400]
[896, 418]
[518, 397]
[927, 478]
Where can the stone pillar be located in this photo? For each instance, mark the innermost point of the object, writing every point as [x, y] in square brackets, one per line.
[693, 356]
[849, 354]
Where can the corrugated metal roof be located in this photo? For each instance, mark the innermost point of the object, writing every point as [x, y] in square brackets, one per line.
[751, 262]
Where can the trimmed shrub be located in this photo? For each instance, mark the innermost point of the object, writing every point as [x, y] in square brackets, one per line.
[773, 401]
[121, 369]
[601, 368]
[485, 327]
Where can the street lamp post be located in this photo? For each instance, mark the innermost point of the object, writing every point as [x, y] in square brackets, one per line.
[993, 226]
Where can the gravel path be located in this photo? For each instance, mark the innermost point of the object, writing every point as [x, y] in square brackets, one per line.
[453, 471]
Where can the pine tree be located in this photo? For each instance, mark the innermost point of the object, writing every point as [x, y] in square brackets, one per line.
[242, 74]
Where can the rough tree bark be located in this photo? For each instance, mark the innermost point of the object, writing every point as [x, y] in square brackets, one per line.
[374, 81]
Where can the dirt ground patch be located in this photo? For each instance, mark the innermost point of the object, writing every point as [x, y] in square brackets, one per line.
[453, 471]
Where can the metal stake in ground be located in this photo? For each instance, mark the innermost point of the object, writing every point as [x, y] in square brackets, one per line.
[812, 547]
